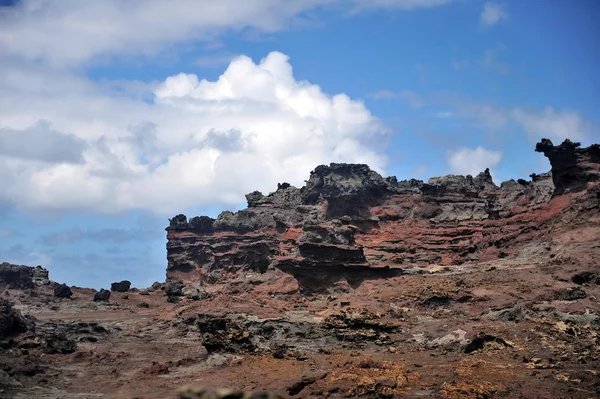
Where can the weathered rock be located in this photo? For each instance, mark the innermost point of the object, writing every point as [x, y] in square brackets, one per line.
[174, 288]
[349, 223]
[16, 276]
[122, 286]
[62, 291]
[573, 167]
[12, 321]
[587, 277]
[40, 276]
[58, 343]
[102, 296]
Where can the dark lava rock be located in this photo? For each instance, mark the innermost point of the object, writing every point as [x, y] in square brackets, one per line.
[299, 386]
[12, 321]
[102, 296]
[174, 288]
[569, 294]
[173, 299]
[572, 167]
[122, 286]
[481, 340]
[222, 334]
[59, 343]
[16, 276]
[62, 291]
[586, 278]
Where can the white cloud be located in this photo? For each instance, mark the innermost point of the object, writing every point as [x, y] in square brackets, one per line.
[556, 125]
[196, 142]
[413, 99]
[472, 161]
[398, 4]
[73, 32]
[492, 13]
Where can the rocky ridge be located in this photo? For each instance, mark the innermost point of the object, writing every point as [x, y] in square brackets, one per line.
[348, 222]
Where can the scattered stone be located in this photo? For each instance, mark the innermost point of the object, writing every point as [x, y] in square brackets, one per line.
[62, 291]
[299, 386]
[569, 294]
[174, 288]
[145, 305]
[121, 286]
[586, 278]
[155, 286]
[102, 296]
[59, 343]
[144, 292]
[483, 339]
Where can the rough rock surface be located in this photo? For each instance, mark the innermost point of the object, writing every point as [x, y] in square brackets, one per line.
[352, 286]
[62, 291]
[19, 276]
[121, 286]
[102, 295]
[350, 223]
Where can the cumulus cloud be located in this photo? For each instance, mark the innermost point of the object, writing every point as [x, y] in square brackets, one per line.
[557, 125]
[492, 13]
[197, 142]
[472, 161]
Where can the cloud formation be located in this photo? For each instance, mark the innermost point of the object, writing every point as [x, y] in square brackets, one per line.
[557, 125]
[195, 143]
[73, 32]
[472, 161]
[492, 13]
[41, 143]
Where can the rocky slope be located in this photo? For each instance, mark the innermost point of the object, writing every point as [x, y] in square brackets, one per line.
[352, 286]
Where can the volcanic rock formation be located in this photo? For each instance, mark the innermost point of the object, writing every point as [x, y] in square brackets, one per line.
[348, 222]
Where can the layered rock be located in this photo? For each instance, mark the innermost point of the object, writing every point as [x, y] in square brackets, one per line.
[350, 222]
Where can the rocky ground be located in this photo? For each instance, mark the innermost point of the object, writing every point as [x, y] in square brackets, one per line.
[368, 291]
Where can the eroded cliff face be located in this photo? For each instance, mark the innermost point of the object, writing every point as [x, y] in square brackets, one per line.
[349, 223]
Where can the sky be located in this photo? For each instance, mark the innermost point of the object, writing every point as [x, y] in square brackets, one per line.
[116, 115]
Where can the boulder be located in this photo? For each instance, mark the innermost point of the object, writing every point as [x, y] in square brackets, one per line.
[121, 286]
[62, 291]
[102, 296]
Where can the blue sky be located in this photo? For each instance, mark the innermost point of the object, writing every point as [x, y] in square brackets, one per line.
[117, 115]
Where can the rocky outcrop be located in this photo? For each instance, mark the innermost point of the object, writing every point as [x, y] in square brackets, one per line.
[121, 286]
[574, 167]
[102, 296]
[350, 223]
[62, 291]
[22, 277]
